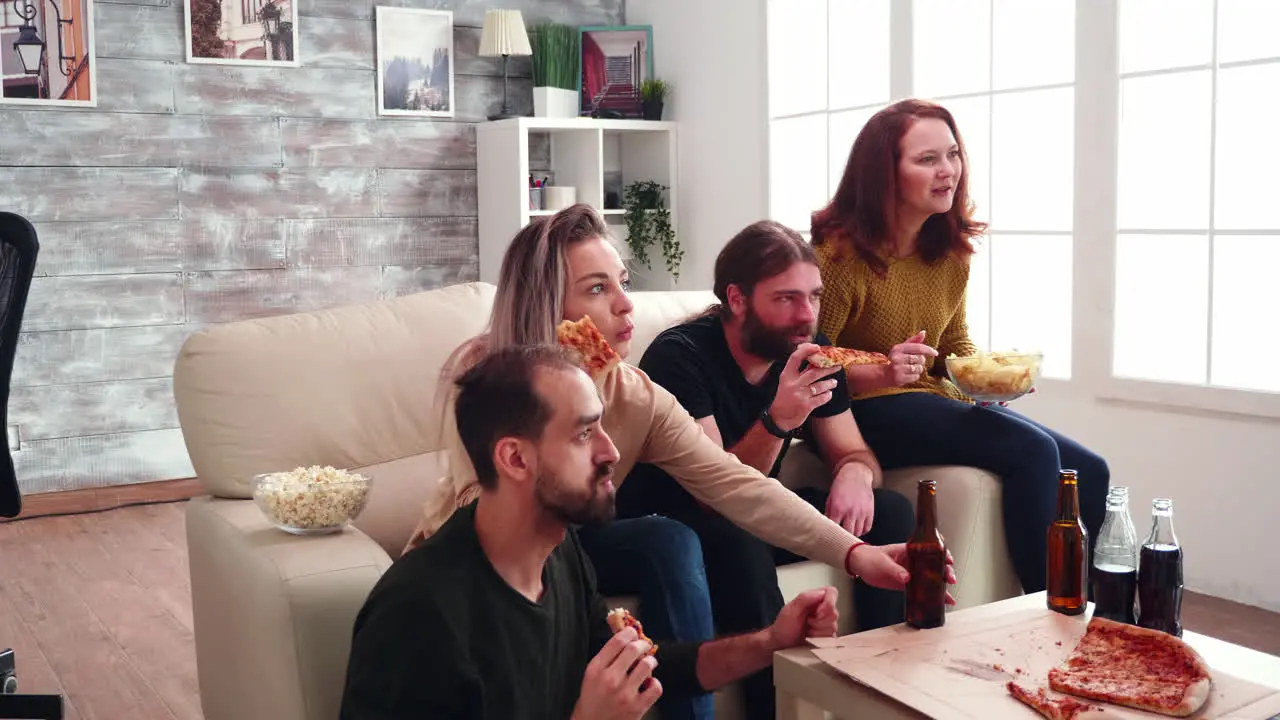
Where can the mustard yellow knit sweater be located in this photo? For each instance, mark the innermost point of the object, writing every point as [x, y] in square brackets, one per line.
[865, 311]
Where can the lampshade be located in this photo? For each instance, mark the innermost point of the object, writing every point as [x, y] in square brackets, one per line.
[504, 34]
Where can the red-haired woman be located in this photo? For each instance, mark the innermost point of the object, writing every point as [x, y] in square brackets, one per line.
[894, 246]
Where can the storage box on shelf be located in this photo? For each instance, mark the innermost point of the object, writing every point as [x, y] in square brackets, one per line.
[585, 154]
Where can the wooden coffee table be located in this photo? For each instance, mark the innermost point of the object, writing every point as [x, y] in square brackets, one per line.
[807, 686]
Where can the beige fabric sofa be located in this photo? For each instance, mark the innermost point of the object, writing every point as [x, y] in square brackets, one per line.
[353, 387]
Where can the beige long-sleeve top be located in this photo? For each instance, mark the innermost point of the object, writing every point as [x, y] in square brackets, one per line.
[648, 425]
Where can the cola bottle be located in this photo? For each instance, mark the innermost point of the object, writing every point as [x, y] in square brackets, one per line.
[1160, 573]
[1115, 561]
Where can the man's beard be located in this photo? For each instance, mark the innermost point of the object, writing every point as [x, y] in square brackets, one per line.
[768, 342]
[573, 508]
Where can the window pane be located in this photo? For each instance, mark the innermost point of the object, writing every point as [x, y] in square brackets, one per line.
[1153, 308]
[1031, 298]
[1245, 343]
[973, 120]
[1248, 104]
[1247, 29]
[1032, 163]
[1162, 34]
[951, 47]
[844, 129]
[797, 168]
[1164, 134]
[1033, 43]
[797, 51]
[858, 53]
[978, 301]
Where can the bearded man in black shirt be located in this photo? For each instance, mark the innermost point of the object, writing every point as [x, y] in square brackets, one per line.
[496, 616]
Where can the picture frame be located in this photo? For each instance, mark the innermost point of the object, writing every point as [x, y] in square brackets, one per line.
[47, 53]
[615, 60]
[414, 51]
[241, 32]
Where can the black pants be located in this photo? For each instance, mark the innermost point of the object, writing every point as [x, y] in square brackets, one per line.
[742, 569]
[920, 428]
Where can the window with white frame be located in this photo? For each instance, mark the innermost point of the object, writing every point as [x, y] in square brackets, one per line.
[1198, 239]
[1180, 255]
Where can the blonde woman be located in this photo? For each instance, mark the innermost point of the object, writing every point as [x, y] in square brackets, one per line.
[563, 267]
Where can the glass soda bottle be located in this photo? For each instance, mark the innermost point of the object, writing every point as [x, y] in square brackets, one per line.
[926, 596]
[1068, 549]
[1160, 573]
[1115, 561]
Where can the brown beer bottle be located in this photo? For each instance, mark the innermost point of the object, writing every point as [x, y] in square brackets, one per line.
[1068, 551]
[927, 563]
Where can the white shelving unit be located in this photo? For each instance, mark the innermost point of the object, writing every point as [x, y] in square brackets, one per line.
[584, 153]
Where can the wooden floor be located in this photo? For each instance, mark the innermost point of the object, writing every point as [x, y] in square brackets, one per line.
[98, 607]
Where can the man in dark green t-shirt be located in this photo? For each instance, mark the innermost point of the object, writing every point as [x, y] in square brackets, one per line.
[497, 616]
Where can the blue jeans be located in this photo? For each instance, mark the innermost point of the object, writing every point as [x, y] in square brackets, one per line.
[660, 560]
[918, 428]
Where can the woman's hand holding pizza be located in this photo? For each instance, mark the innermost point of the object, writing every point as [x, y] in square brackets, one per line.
[907, 360]
[800, 392]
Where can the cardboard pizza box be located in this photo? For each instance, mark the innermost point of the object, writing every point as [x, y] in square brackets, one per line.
[960, 670]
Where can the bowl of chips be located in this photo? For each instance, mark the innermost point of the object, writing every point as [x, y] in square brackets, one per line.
[311, 500]
[995, 377]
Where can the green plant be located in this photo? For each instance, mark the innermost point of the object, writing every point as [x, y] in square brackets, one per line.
[555, 56]
[654, 90]
[649, 222]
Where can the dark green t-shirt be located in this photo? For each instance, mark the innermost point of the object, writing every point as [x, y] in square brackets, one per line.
[442, 635]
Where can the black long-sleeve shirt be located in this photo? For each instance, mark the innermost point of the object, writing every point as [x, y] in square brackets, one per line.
[442, 635]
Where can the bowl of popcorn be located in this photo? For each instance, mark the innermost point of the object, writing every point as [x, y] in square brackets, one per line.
[311, 500]
[995, 377]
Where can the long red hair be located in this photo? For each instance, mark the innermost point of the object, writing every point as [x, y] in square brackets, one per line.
[863, 213]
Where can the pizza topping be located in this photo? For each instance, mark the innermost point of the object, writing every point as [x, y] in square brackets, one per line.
[831, 356]
[1054, 708]
[620, 618]
[596, 355]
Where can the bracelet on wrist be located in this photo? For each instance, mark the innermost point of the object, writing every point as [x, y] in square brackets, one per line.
[848, 558]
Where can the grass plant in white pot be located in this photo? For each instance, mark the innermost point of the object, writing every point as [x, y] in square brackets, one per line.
[555, 70]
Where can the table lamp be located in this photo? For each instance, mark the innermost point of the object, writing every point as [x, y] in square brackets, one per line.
[504, 35]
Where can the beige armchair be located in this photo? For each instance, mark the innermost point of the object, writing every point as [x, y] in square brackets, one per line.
[354, 387]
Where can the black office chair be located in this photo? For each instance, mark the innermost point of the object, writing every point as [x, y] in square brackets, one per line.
[18, 250]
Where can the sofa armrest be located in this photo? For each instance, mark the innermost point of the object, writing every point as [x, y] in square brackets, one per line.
[273, 612]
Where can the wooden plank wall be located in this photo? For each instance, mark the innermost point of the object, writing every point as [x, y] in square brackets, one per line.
[198, 194]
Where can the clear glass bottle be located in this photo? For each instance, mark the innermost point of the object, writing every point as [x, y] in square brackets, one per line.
[1115, 561]
[1160, 573]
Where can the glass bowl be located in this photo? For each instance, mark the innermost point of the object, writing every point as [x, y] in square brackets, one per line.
[311, 500]
[995, 377]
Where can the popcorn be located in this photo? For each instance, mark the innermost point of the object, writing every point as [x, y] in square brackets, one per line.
[313, 499]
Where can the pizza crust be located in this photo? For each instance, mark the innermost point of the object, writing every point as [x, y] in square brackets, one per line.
[594, 352]
[832, 356]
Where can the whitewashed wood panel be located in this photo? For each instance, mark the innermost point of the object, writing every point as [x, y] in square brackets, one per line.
[397, 143]
[134, 86]
[41, 138]
[380, 241]
[426, 193]
[45, 412]
[274, 92]
[93, 356]
[399, 280]
[466, 47]
[67, 193]
[219, 242]
[101, 460]
[471, 12]
[101, 301]
[338, 192]
[237, 295]
[479, 97]
[350, 43]
[109, 247]
[139, 31]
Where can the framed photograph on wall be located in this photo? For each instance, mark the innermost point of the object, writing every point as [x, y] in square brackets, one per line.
[615, 60]
[47, 53]
[242, 32]
[415, 62]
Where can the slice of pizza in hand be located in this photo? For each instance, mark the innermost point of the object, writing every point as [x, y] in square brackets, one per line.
[620, 618]
[1136, 667]
[598, 357]
[831, 356]
[1053, 708]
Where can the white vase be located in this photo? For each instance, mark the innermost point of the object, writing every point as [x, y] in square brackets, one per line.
[554, 102]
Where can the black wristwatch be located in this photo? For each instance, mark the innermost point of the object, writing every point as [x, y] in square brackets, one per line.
[767, 420]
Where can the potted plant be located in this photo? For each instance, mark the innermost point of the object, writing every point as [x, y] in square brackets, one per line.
[649, 223]
[653, 93]
[555, 70]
